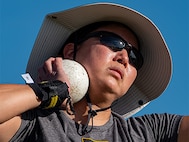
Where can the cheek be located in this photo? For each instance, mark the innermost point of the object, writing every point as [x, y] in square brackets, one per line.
[131, 74]
[93, 55]
[95, 59]
[129, 78]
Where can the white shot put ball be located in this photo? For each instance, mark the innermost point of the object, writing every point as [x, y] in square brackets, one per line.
[78, 77]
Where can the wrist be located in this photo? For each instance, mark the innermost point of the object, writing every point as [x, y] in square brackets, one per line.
[50, 93]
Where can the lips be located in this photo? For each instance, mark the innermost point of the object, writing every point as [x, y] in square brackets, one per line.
[118, 70]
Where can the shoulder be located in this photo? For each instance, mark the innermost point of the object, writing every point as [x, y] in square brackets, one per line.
[149, 117]
[162, 117]
[152, 126]
[163, 120]
[36, 121]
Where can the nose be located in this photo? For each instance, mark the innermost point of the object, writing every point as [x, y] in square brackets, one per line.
[122, 57]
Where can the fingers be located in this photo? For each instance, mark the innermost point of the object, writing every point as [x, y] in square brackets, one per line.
[47, 71]
[52, 69]
[48, 66]
[57, 66]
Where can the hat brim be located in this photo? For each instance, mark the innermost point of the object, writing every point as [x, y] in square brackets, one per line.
[152, 78]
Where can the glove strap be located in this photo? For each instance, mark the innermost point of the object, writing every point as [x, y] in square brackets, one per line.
[51, 93]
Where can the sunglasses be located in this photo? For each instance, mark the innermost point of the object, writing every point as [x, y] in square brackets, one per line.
[116, 43]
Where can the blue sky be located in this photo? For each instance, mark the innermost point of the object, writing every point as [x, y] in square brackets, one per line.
[21, 21]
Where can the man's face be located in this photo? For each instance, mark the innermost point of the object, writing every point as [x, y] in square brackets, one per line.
[110, 73]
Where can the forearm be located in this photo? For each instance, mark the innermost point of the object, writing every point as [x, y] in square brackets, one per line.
[16, 99]
[184, 130]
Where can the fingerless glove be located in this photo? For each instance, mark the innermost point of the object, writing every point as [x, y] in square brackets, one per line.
[51, 93]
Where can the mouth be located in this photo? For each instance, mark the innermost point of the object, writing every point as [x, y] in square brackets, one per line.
[117, 72]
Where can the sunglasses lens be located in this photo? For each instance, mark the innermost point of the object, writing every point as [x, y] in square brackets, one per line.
[112, 42]
[135, 58]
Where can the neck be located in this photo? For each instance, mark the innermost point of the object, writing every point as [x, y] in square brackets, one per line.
[82, 110]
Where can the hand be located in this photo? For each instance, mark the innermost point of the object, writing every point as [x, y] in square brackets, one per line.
[52, 69]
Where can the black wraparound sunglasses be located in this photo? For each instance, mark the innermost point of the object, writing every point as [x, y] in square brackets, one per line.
[116, 43]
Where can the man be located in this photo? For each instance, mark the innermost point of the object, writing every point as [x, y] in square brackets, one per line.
[107, 40]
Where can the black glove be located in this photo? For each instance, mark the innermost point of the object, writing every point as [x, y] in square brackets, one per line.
[51, 93]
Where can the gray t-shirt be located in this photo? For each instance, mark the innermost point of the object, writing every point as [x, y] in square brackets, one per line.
[55, 126]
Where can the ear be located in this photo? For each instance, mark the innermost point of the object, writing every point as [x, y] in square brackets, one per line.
[68, 51]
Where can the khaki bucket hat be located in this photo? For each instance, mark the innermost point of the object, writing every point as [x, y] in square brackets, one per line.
[156, 71]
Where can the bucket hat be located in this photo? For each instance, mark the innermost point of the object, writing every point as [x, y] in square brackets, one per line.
[152, 78]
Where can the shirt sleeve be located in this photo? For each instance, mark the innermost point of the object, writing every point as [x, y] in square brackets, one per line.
[158, 127]
[28, 125]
